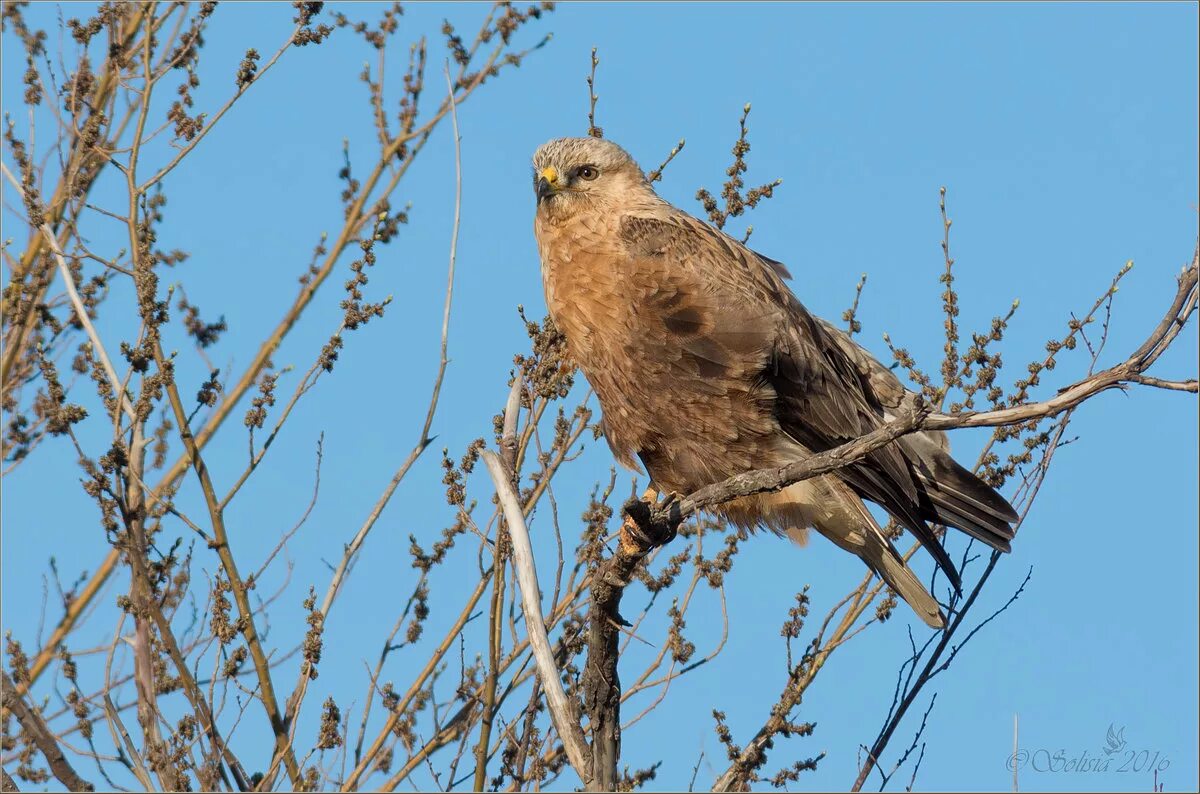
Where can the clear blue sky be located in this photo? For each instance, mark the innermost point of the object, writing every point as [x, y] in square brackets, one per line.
[1067, 138]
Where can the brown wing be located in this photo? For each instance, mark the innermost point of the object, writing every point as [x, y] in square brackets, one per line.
[821, 398]
[685, 339]
[824, 402]
[882, 383]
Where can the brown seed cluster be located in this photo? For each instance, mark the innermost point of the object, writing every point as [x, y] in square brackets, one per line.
[735, 202]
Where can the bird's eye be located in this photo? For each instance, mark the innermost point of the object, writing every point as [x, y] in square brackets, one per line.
[588, 172]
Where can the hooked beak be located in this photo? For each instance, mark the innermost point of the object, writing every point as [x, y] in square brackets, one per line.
[547, 183]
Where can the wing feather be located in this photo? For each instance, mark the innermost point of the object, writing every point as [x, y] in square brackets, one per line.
[823, 396]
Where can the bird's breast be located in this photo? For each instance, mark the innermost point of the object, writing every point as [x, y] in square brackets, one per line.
[675, 366]
[582, 276]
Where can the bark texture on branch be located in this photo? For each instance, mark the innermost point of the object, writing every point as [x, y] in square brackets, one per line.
[601, 683]
[31, 720]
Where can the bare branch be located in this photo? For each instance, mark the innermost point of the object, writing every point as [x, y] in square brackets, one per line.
[1172, 385]
[564, 712]
[657, 173]
[593, 130]
[81, 313]
[242, 88]
[31, 720]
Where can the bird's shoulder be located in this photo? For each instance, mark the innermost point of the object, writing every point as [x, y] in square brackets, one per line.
[746, 290]
[671, 234]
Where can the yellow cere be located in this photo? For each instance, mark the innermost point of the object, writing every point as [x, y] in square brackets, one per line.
[550, 174]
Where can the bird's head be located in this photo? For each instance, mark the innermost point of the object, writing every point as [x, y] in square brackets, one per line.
[575, 174]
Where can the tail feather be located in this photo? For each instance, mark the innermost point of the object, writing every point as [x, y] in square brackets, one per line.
[957, 498]
[953, 513]
[883, 559]
[876, 550]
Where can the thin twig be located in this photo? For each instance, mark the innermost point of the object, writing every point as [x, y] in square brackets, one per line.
[657, 173]
[425, 439]
[593, 130]
[242, 89]
[81, 312]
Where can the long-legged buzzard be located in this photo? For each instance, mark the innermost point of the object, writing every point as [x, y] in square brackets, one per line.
[706, 366]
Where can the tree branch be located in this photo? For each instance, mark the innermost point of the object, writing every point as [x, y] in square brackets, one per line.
[36, 727]
[356, 216]
[77, 303]
[563, 711]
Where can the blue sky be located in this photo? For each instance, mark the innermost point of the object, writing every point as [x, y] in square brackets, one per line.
[1067, 138]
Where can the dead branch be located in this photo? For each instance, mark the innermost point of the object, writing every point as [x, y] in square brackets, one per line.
[563, 711]
[31, 720]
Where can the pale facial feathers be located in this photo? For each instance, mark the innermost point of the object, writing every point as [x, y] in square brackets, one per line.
[573, 175]
[567, 153]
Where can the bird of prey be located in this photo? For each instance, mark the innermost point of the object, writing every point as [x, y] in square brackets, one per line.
[707, 366]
